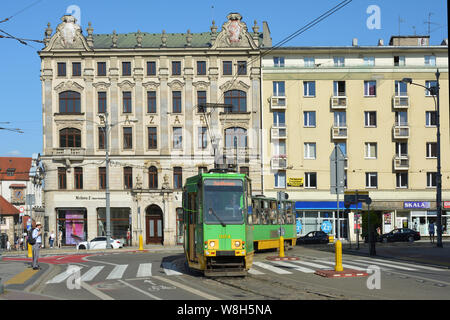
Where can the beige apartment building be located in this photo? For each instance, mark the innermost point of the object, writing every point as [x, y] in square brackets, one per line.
[352, 96]
[153, 88]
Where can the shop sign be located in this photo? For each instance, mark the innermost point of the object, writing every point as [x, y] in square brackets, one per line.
[295, 182]
[387, 218]
[446, 204]
[89, 198]
[416, 204]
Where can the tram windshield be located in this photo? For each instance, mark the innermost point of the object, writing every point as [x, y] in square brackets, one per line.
[223, 201]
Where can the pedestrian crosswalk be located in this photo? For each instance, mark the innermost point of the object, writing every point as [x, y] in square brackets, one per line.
[259, 268]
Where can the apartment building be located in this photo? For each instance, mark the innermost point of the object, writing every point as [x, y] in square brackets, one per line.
[314, 98]
[159, 93]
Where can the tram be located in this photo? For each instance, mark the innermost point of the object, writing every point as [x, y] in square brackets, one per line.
[218, 231]
[268, 220]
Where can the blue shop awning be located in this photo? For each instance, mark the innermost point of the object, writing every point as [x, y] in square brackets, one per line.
[323, 205]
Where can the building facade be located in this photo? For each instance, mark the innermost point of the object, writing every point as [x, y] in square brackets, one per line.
[167, 99]
[314, 98]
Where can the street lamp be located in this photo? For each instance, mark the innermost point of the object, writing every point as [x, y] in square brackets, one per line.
[104, 119]
[434, 91]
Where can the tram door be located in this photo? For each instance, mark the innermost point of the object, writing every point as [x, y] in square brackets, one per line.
[192, 217]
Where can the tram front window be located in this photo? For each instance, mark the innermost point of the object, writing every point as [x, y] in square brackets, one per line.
[223, 201]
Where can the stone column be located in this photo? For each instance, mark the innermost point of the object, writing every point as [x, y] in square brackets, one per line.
[46, 78]
[164, 106]
[89, 106]
[139, 106]
[188, 108]
[114, 109]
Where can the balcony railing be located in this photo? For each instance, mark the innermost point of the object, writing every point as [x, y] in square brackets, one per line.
[278, 102]
[338, 102]
[69, 152]
[277, 133]
[278, 162]
[401, 162]
[241, 154]
[401, 131]
[339, 132]
[400, 102]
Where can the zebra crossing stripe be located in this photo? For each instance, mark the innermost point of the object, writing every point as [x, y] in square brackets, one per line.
[345, 265]
[117, 272]
[63, 275]
[405, 264]
[293, 266]
[170, 269]
[145, 270]
[92, 272]
[271, 268]
[387, 265]
[255, 272]
[310, 264]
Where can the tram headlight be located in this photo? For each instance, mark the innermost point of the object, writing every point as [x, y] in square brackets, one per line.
[236, 244]
[213, 244]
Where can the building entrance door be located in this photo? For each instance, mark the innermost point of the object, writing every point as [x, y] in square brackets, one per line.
[154, 225]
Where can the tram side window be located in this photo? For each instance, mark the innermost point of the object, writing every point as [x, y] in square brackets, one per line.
[265, 213]
[273, 212]
[256, 211]
[192, 207]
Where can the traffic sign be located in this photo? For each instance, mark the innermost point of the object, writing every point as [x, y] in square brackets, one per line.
[21, 209]
[337, 171]
[326, 226]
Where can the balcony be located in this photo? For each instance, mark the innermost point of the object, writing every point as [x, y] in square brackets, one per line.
[240, 154]
[400, 102]
[338, 102]
[401, 131]
[278, 103]
[339, 132]
[278, 162]
[277, 132]
[401, 162]
[69, 153]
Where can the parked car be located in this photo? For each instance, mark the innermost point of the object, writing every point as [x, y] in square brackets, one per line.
[99, 243]
[400, 234]
[313, 237]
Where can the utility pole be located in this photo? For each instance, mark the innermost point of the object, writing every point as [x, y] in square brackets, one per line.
[439, 175]
[108, 205]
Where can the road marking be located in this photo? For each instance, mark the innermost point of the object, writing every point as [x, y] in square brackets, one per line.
[170, 269]
[271, 268]
[311, 264]
[145, 270]
[22, 277]
[192, 290]
[64, 275]
[409, 264]
[255, 272]
[293, 266]
[345, 265]
[387, 264]
[140, 290]
[117, 272]
[88, 276]
[95, 291]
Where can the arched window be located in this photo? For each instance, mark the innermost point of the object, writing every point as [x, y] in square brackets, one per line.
[152, 178]
[238, 99]
[236, 137]
[69, 102]
[70, 138]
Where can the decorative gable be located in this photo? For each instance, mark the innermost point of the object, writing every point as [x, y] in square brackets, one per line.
[234, 34]
[68, 35]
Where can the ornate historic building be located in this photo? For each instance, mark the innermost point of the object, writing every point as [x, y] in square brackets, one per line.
[160, 93]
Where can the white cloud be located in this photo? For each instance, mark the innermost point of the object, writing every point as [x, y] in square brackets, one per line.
[14, 153]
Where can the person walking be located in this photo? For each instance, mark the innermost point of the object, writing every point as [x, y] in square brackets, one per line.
[36, 234]
[52, 239]
[431, 231]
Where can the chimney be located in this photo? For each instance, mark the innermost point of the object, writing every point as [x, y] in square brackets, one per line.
[355, 42]
[444, 42]
[267, 40]
[380, 42]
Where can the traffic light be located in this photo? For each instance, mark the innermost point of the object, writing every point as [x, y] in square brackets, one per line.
[281, 195]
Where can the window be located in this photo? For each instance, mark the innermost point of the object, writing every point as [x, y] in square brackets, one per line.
[369, 61]
[244, 170]
[401, 149]
[240, 134]
[242, 67]
[339, 88]
[76, 69]
[278, 62]
[343, 147]
[430, 118]
[126, 68]
[431, 149]
[61, 69]
[78, 174]
[399, 61]
[177, 138]
[340, 119]
[309, 88]
[278, 89]
[101, 68]
[152, 138]
[370, 150]
[151, 68]
[127, 137]
[128, 177]
[309, 61]
[370, 88]
[176, 101]
[201, 67]
[176, 68]
[431, 179]
[370, 118]
[401, 179]
[310, 179]
[227, 68]
[236, 98]
[62, 178]
[151, 101]
[371, 180]
[70, 138]
[101, 102]
[177, 177]
[432, 85]
[279, 119]
[401, 89]
[309, 118]
[127, 102]
[10, 172]
[339, 61]
[102, 177]
[201, 101]
[430, 60]
[101, 138]
[280, 148]
[310, 150]
[280, 179]
[69, 102]
[153, 178]
[401, 118]
[202, 138]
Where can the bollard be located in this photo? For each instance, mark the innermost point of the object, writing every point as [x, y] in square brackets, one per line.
[141, 246]
[338, 256]
[281, 247]
[30, 252]
[1, 286]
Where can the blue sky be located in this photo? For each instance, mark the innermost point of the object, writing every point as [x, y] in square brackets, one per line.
[20, 86]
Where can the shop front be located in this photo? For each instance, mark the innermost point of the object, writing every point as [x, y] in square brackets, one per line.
[120, 223]
[71, 225]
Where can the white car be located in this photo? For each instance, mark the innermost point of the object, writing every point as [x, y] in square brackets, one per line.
[99, 243]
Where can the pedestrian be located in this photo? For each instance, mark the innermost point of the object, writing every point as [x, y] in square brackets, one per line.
[431, 231]
[52, 239]
[36, 234]
[8, 245]
[60, 239]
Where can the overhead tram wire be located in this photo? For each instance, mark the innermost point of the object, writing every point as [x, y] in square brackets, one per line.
[20, 11]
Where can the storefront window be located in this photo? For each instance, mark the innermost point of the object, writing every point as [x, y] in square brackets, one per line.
[72, 226]
[120, 223]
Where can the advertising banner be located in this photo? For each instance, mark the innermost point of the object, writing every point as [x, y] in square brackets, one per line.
[74, 228]
[295, 182]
